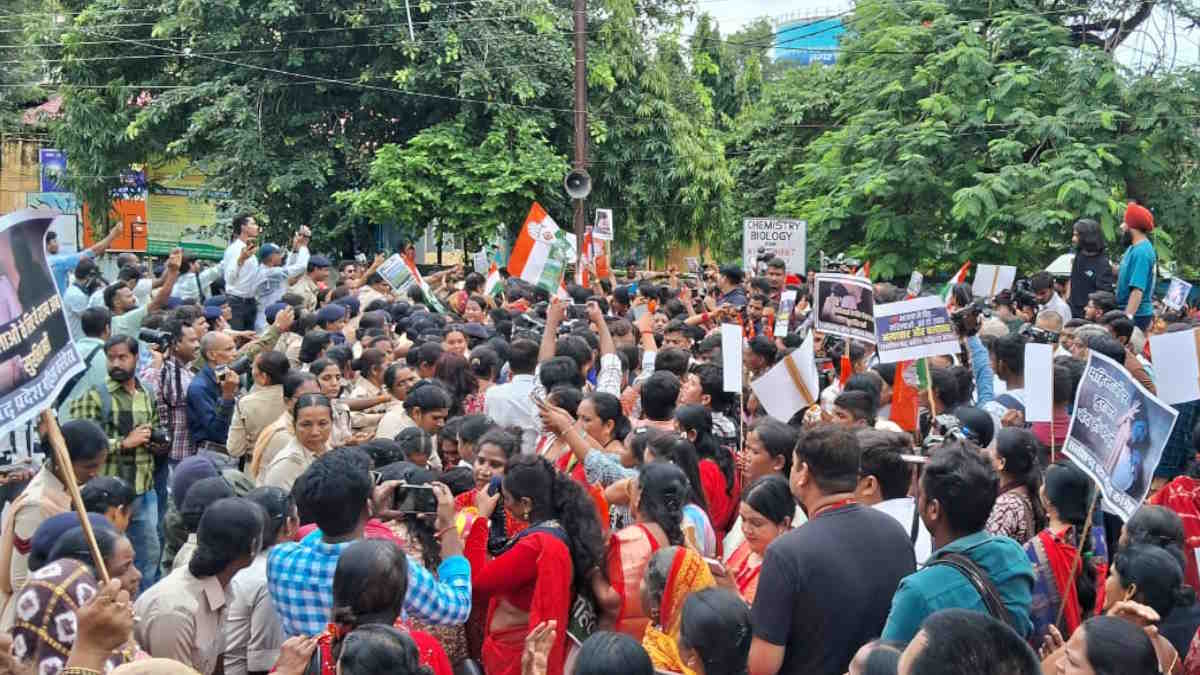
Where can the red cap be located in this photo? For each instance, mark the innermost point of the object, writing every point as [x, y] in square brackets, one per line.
[1139, 217]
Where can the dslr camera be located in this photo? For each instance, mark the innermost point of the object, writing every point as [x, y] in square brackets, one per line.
[160, 441]
[161, 340]
[1039, 335]
[966, 319]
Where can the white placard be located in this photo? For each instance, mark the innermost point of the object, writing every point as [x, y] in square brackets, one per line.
[1177, 378]
[731, 357]
[1177, 293]
[991, 279]
[913, 329]
[787, 302]
[481, 262]
[602, 228]
[1039, 382]
[779, 236]
[777, 391]
[915, 280]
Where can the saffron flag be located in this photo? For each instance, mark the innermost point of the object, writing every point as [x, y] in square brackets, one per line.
[864, 271]
[542, 250]
[905, 398]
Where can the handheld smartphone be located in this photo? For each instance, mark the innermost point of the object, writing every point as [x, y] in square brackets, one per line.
[416, 499]
[539, 400]
[716, 567]
[494, 485]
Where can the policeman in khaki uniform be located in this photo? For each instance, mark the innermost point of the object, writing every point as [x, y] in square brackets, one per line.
[308, 285]
[263, 405]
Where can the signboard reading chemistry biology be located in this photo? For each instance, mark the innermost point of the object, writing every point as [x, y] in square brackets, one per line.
[912, 329]
[779, 236]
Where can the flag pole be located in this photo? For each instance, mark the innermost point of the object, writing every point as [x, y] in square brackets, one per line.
[1087, 532]
[62, 459]
[929, 377]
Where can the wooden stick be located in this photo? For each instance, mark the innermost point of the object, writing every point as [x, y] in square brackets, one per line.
[1075, 565]
[1052, 411]
[62, 459]
[929, 378]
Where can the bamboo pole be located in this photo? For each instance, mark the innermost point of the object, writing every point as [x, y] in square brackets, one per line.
[62, 460]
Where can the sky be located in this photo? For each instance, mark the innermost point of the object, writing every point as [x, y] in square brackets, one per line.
[733, 14]
[1157, 38]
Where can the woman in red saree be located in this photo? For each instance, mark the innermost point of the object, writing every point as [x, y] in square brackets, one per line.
[659, 494]
[718, 475]
[1066, 496]
[673, 574]
[533, 578]
[492, 453]
[766, 513]
[1182, 496]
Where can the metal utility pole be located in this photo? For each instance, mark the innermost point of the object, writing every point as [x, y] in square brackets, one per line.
[581, 132]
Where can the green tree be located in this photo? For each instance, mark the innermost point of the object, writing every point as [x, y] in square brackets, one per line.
[469, 185]
[963, 131]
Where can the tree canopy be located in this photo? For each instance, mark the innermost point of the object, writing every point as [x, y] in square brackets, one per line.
[947, 130]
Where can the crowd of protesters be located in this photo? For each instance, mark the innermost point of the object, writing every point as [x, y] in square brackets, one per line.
[296, 468]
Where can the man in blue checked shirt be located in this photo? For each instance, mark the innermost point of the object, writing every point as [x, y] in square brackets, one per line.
[337, 492]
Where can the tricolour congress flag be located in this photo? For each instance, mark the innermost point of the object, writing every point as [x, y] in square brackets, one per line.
[542, 250]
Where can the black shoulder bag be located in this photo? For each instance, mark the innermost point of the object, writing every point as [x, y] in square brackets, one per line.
[979, 579]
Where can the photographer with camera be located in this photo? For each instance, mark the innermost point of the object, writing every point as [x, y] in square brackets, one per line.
[126, 411]
[213, 393]
[174, 378]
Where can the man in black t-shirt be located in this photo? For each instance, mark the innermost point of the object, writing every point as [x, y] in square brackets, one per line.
[825, 589]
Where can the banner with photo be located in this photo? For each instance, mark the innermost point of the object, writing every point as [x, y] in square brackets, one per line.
[912, 329]
[845, 306]
[1117, 433]
[37, 356]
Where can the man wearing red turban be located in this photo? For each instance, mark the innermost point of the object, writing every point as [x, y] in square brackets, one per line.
[1135, 280]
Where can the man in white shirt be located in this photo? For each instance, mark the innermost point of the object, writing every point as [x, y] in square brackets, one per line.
[1042, 285]
[240, 267]
[510, 404]
[884, 479]
[195, 283]
[75, 298]
[1008, 362]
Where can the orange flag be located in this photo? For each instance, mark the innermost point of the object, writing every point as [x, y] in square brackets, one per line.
[847, 366]
[905, 399]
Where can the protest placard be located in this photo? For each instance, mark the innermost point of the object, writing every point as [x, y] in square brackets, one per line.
[481, 262]
[396, 272]
[731, 357]
[1180, 382]
[791, 385]
[915, 280]
[912, 329]
[1117, 433]
[693, 265]
[603, 227]
[991, 279]
[778, 236]
[1039, 382]
[845, 306]
[787, 302]
[1177, 293]
[37, 357]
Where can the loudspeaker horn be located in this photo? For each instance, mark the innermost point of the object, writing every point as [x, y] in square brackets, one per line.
[578, 184]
